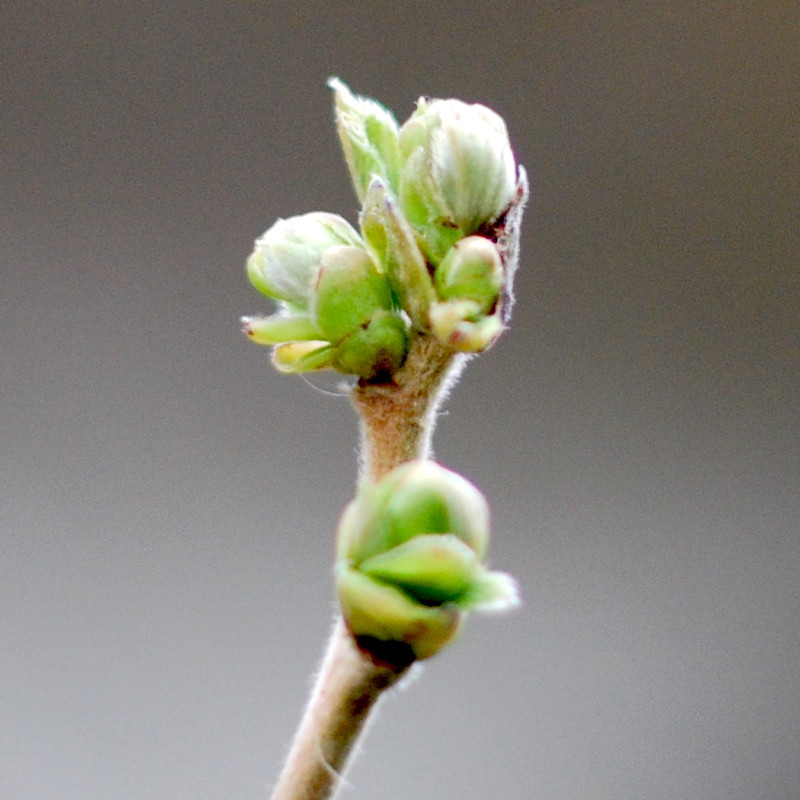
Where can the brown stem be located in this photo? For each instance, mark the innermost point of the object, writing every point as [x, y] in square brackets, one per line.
[347, 687]
[397, 418]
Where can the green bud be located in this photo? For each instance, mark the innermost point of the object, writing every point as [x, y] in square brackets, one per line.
[469, 281]
[349, 291]
[280, 328]
[354, 309]
[442, 205]
[393, 244]
[286, 259]
[308, 356]
[337, 309]
[410, 558]
[471, 270]
[420, 496]
[368, 133]
[459, 174]
[435, 568]
[377, 348]
[460, 325]
[375, 609]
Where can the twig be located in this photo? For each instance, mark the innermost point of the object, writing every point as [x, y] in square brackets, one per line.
[347, 688]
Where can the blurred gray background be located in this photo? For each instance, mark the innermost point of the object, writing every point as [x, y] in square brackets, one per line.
[168, 500]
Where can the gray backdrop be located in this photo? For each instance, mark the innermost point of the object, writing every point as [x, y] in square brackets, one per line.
[168, 500]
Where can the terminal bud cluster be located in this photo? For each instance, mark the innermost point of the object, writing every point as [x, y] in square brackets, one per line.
[435, 253]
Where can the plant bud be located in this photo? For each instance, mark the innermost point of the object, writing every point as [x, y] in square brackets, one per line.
[354, 309]
[348, 292]
[337, 309]
[368, 133]
[471, 270]
[469, 282]
[436, 568]
[459, 173]
[294, 357]
[460, 325]
[377, 348]
[393, 244]
[410, 558]
[424, 497]
[442, 201]
[286, 259]
[377, 610]
[280, 328]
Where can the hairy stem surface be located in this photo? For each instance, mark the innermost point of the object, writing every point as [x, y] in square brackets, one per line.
[397, 418]
[347, 687]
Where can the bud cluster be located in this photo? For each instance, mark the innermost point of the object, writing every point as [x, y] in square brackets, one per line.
[442, 198]
[410, 562]
[336, 309]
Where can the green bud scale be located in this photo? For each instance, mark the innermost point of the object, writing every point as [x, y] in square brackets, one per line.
[411, 552]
